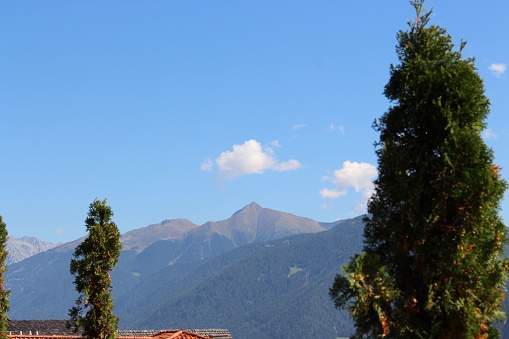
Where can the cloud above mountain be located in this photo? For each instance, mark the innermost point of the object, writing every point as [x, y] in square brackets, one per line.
[338, 128]
[356, 175]
[498, 69]
[249, 158]
[298, 126]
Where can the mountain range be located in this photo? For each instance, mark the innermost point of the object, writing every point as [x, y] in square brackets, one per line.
[260, 273]
[21, 248]
[41, 286]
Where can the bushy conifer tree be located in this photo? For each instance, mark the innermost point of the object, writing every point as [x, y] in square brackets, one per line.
[432, 263]
[93, 259]
[4, 295]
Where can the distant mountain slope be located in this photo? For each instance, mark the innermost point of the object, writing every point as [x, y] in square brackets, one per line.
[277, 289]
[256, 224]
[251, 224]
[141, 238]
[41, 286]
[45, 279]
[273, 289]
[21, 248]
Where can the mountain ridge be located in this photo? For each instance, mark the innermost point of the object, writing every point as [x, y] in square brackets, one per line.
[19, 249]
[139, 239]
[175, 242]
[252, 286]
[272, 289]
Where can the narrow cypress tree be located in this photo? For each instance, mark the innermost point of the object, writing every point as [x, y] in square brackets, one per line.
[432, 263]
[4, 295]
[93, 259]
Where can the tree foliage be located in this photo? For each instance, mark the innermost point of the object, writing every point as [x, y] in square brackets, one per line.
[4, 295]
[432, 264]
[93, 259]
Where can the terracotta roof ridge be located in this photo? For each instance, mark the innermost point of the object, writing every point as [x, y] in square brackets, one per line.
[176, 334]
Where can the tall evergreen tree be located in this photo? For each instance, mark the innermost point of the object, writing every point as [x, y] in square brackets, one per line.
[4, 295]
[93, 259]
[432, 263]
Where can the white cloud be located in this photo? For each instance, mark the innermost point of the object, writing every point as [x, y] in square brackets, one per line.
[290, 165]
[489, 134]
[356, 175]
[339, 128]
[331, 194]
[207, 166]
[59, 232]
[325, 178]
[298, 126]
[251, 158]
[498, 69]
[360, 209]
[275, 143]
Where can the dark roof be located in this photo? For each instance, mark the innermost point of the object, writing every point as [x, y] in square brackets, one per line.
[213, 333]
[137, 333]
[59, 327]
[40, 327]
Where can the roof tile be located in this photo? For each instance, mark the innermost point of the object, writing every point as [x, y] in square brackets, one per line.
[57, 329]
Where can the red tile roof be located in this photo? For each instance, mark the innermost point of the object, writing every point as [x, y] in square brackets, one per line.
[178, 334]
[170, 334]
[57, 329]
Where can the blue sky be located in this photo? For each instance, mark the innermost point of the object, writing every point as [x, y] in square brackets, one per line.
[194, 109]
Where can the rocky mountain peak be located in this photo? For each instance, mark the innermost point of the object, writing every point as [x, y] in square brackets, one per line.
[253, 208]
[21, 248]
[141, 238]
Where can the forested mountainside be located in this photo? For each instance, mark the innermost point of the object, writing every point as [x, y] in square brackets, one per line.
[172, 276]
[276, 289]
[43, 281]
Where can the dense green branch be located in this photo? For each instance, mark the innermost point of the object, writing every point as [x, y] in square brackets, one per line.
[93, 259]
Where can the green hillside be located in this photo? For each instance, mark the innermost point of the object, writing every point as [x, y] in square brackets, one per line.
[277, 289]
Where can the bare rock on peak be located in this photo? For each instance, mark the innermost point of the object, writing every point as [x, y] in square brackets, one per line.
[141, 238]
[22, 248]
[254, 223]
